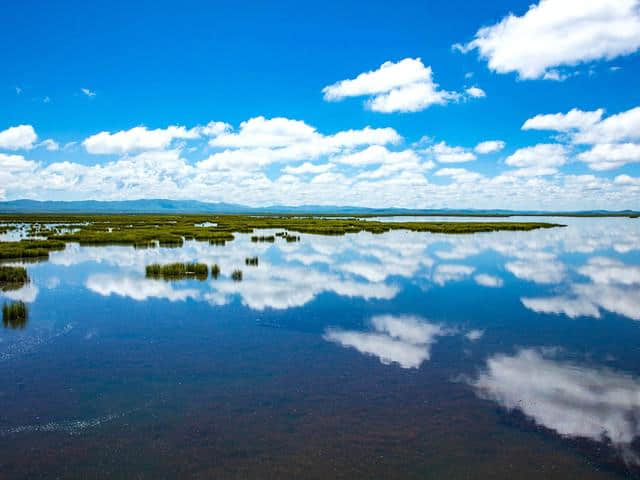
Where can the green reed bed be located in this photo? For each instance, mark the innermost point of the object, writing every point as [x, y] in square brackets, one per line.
[29, 249]
[12, 278]
[171, 230]
[15, 315]
[177, 271]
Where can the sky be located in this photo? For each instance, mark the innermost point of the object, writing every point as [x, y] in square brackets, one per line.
[426, 104]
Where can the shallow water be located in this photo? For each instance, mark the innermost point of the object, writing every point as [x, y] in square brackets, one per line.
[401, 355]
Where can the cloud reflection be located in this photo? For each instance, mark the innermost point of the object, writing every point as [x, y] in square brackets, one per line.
[405, 340]
[573, 400]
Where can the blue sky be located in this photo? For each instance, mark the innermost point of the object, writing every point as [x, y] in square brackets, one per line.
[368, 103]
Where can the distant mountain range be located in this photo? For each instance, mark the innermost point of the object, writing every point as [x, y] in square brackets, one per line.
[195, 207]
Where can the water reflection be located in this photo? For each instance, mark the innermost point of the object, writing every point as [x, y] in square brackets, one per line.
[614, 286]
[14, 315]
[399, 299]
[405, 340]
[573, 400]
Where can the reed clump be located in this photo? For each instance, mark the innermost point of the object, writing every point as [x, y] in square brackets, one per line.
[177, 271]
[252, 261]
[12, 278]
[15, 315]
[215, 271]
[263, 238]
[236, 275]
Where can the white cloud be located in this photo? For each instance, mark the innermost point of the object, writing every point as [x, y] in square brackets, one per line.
[15, 163]
[563, 122]
[50, 145]
[476, 92]
[444, 153]
[376, 154]
[88, 92]
[539, 160]
[607, 156]
[559, 33]
[615, 128]
[627, 180]
[137, 139]
[489, 146]
[21, 137]
[308, 167]
[262, 132]
[405, 86]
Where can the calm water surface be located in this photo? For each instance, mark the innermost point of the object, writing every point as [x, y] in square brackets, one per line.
[402, 355]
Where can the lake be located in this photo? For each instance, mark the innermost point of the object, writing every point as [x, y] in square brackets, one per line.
[395, 355]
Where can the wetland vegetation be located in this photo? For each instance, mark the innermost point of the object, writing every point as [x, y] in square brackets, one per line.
[148, 231]
[177, 271]
[12, 278]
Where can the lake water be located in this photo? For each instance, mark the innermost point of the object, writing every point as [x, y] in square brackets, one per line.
[401, 355]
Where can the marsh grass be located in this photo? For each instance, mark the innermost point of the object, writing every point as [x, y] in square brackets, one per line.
[148, 231]
[177, 271]
[215, 271]
[25, 249]
[15, 315]
[236, 275]
[253, 261]
[12, 278]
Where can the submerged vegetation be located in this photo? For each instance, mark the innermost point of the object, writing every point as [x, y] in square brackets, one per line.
[12, 278]
[149, 231]
[236, 275]
[14, 315]
[177, 271]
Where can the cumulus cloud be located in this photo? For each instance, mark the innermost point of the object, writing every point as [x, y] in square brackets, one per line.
[137, 139]
[612, 140]
[563, 122]
[607, 156]
[476, 92]
[541, 159]
[21, 137]
[404, 86]
[489, 146]
[444, 153]
[558, 33]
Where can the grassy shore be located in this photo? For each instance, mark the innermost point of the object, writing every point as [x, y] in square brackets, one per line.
[145, 231]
